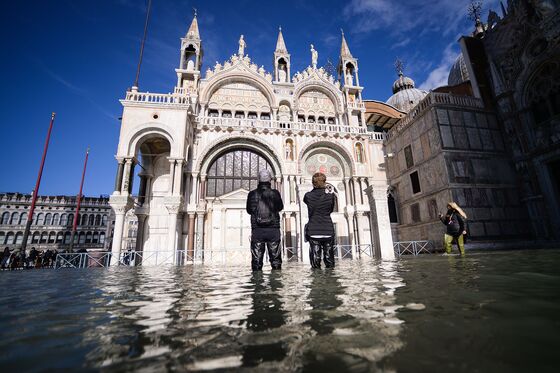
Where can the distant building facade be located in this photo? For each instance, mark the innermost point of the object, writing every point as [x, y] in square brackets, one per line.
[52, 222]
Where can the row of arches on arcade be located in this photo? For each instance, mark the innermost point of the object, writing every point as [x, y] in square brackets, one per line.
[284, 115]
[20, 218]
[16, 238]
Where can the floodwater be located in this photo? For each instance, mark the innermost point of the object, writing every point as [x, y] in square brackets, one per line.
[487, 312]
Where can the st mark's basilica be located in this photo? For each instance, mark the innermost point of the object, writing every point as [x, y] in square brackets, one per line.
[200, 148]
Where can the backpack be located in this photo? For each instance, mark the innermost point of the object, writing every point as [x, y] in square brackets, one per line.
[264, 215]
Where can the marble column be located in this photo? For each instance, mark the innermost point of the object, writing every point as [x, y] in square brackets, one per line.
[199, 235]
[140, 237]
[173, 210]
[381, 226]
[178, 177]
[126, 176]
[171, 175]
[120, 204]
[119, 176]
[190, 244]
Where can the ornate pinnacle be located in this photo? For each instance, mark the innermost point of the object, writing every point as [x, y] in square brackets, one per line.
[194, 11]
[399, 66]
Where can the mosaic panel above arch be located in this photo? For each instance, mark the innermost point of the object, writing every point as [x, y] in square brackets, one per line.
[325, 164]
[239, 94]
[316, 102]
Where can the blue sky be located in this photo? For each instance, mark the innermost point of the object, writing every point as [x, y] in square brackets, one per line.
[77, 58]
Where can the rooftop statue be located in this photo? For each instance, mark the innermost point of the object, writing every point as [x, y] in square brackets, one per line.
[314, 57]
[242, 46]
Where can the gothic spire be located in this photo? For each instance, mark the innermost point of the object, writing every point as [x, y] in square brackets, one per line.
[344, 50]
[280, 45]
[193, 30]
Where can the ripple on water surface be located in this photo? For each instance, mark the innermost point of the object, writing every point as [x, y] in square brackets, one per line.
[431, 314]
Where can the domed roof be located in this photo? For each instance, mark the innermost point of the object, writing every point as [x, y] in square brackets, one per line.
[403, 82]
[458, 73]
[405, 95]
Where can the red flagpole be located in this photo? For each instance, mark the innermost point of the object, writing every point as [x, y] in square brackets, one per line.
[37, 184]
[79, 201]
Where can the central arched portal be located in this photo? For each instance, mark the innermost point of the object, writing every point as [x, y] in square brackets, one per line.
[230, 177]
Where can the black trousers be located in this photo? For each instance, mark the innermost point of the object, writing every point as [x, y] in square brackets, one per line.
[257, 254]
[324, 245]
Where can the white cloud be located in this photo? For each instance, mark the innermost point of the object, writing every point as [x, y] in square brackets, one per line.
[438, 76]
[405, 16]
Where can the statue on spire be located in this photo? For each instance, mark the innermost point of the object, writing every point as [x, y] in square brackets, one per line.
[314, 57]
[242, 46]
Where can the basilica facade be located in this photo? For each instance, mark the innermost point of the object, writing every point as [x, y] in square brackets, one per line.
[196, 153]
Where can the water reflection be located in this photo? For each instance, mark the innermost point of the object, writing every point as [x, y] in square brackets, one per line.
[204, 318]
[267, 314]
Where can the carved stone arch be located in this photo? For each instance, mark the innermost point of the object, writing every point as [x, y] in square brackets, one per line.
[219, 80]
[320, 86]
[218, 146]
[147, 130]
[528, 80]
[341, 151]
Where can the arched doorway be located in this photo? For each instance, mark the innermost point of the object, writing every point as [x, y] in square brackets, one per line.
[230, 176]
[153, 185]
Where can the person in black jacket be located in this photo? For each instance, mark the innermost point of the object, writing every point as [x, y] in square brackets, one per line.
[319, 230]
[264, 205]
[455, 221]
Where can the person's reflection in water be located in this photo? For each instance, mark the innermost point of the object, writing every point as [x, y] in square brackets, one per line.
[325, 353]
[267, 314]
[323, 298]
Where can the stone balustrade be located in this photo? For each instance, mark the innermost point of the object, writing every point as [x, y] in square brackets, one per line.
[284, 126]
[356, 105]
[157, 99]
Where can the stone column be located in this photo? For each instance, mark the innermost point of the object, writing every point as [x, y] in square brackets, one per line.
[352, 192]
[381, 226]
[199, 236]
[119, 176]
[171, 175]
[361, 190]
[142, 189]
[287, 231]
[193, 197]
[202, 192]
[346, 183]
[190, 244]
[140, 237]
[178, 178]
[120, 204]
[285, 190]
[126, 176]
[173, 209]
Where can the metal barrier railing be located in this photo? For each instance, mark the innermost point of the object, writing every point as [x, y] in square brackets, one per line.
[83, 260]
[353, 251]
[413, 247]
[182, 257]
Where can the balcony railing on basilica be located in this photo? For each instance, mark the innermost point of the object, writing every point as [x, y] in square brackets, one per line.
[284, 126]
[158, 99]
[356, 105]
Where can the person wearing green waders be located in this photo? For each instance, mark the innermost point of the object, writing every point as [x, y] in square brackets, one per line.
[455, 221]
